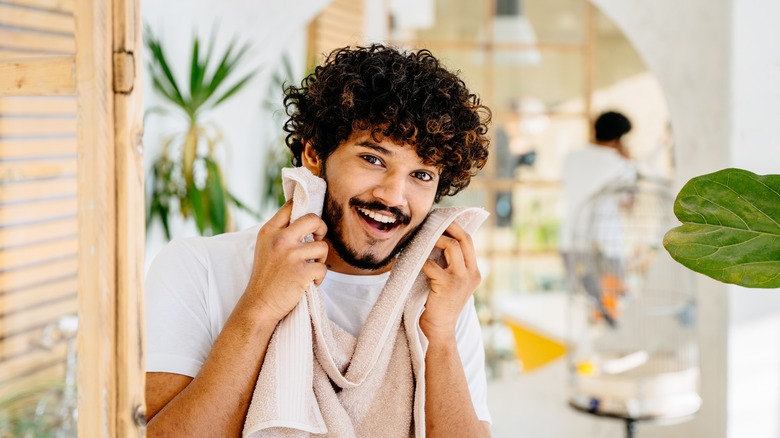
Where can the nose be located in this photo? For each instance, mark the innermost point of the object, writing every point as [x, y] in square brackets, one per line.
[390, 190]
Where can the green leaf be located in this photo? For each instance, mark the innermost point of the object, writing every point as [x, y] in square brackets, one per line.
[196, 73]
[241, 206]
[221, 72]
[163, 213]
[731, 228]
[159, 60]
[217, 199]
[199, 209]
[239, 85]
[226, 67]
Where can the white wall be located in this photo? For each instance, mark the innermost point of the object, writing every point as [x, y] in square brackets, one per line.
[754, 315]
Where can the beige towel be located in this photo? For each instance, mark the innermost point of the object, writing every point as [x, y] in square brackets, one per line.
[318, 379]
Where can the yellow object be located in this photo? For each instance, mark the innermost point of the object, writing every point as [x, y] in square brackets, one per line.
[586, 368]
[533, 348]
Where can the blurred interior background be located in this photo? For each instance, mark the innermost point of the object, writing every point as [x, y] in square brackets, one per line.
[698, 80]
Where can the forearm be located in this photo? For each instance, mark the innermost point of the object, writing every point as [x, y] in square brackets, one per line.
[215, 403]
[449, 411]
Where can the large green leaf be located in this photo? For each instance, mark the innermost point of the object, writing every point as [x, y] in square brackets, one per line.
[161, 71]
[731, 227]
[199, 207]
[217, 198]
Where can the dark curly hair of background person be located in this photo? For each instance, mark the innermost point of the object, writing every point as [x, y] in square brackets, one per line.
[404, 97]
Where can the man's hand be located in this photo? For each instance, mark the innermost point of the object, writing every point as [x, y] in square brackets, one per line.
[451, 285]
[284, 265]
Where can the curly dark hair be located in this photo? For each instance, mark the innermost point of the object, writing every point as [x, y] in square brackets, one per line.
[404, 97]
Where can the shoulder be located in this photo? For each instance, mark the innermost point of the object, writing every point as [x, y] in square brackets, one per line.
[200, 252]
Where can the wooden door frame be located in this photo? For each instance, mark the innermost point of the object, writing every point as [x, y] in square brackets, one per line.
[111, 219]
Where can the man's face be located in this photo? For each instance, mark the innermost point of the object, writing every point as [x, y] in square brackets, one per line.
[378, 195]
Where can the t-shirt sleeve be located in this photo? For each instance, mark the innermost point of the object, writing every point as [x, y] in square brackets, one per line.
[178, 338]
[471, 349]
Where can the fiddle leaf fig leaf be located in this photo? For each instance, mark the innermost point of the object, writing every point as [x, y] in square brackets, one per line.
[731, 228]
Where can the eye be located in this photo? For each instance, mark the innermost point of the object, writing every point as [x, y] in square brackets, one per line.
[423, 176]
[372, 160]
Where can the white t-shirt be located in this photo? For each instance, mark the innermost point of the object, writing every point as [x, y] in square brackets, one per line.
[587, 171]
[194, 283]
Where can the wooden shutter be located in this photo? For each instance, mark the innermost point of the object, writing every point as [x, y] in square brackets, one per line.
[38, 187]
[71, 201]
[340, 24]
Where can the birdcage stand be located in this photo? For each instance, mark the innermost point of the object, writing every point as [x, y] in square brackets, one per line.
[630, 427]
[631, 422]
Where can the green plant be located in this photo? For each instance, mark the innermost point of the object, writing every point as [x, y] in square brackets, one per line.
[186, 177]
[30, 411]
[731, 227]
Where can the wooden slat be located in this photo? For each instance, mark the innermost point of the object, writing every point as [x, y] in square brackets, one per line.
[336, 25]
[332, 38]
[30, 277]
[16, 342]
[7, 54]
[37, 42]
[352, 20]
[340, 24]
[47, 372]
[65, 6]
[31, 233]
[45, 75]
[33, 317]
[35, 19]
[12, 258]
[36, 147]
[37, 106]
[39, 211]
[22, 170]
[37, 190]
[15, 302]
[28, 359]
[35, 127]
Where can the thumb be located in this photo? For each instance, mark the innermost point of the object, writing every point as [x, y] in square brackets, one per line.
[281, 219]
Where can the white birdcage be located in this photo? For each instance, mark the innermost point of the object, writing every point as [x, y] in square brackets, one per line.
[632, 311]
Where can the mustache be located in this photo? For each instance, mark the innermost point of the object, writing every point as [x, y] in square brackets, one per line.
[399, 215]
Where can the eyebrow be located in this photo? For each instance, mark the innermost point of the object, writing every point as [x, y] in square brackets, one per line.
[376, 147]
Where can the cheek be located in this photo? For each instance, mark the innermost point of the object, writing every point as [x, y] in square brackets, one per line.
[421, 206]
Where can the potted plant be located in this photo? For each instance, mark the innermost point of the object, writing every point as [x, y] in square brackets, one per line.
[731, 228]
[186, 177]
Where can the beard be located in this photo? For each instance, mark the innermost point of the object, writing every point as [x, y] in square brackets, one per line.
[332, 216]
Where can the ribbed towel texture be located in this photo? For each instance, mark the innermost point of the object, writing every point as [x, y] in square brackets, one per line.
[317, 379]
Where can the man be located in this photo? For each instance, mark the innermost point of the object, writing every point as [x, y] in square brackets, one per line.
[391, 133]
[587, 172]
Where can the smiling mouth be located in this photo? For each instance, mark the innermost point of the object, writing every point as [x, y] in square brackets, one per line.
[379, 221]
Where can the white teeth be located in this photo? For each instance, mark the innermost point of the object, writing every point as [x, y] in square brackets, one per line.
[377, 217]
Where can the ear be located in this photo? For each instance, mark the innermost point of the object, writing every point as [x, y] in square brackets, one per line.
[310, 159]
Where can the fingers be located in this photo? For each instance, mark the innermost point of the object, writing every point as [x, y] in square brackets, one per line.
[458, 248]
[313, 224]
[282, 217]
[465, 244]
[316, 251]
[319, 274]
[453, 254]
